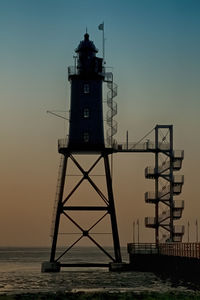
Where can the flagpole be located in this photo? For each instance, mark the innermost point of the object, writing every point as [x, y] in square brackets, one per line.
[188, 228]
[101, 27]
[133, 232]
[138, 230]
[103, 45]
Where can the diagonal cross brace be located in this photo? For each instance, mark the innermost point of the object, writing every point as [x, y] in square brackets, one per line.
[85, 233]
[86, 176]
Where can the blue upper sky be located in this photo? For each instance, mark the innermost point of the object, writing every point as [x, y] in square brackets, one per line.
[153, 46]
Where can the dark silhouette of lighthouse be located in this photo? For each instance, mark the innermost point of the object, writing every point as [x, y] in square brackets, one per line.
[86, 116]
[86, 137]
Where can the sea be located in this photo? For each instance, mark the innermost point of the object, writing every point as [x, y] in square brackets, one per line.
[20, 272]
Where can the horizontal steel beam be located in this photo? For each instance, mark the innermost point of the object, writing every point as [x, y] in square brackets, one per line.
[85, 265]
[98, 208]
[141, 151]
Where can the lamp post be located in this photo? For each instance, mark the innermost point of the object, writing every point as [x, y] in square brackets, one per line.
[133, 232]
[138, 224]
[197, 231]
[188, 231]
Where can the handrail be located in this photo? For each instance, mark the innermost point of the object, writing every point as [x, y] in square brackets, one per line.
[142, 248]
[112, 112]
[191, 250]
[180, 249]
[55, 207]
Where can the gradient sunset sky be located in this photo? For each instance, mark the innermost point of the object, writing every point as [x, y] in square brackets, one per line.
[153, 47]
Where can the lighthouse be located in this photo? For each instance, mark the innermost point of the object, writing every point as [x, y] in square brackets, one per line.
[86, 113]
[86, 138]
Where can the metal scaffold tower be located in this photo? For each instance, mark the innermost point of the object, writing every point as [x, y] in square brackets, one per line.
[167, 186]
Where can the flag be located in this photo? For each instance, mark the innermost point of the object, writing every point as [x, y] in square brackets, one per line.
[101, 26]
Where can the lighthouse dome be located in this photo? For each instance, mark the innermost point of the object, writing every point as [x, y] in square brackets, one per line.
[86, 45]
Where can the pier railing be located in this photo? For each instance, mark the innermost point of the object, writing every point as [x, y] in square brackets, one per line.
[190, 250]
[142, 248]
[180, 249]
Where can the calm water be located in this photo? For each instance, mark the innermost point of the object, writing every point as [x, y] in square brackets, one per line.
[20, 272]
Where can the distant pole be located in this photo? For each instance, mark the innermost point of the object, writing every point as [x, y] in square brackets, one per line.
[197, 231]
[133, 232]
[188, 229]
[138, 224]
[127, 139]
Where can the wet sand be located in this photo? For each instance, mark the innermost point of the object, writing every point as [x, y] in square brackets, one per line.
[102, 296]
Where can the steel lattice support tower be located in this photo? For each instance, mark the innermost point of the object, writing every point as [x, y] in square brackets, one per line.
[108, 207]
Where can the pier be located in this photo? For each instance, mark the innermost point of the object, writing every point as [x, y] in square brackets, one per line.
[182, 259]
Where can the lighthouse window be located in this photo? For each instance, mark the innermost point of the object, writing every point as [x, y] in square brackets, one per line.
[86, 137]
[86, 88]
[86, 113]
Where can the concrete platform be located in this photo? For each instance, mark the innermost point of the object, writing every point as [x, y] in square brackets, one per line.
[53, 267]
[118, 267]
[50, 267]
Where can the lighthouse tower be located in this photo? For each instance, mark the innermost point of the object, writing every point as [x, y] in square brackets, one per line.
[86, 116]
[86, 137]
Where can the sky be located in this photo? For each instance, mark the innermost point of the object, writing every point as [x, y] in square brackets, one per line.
[153, 49]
